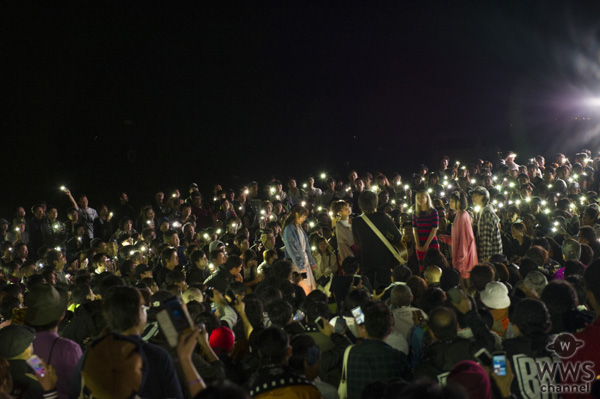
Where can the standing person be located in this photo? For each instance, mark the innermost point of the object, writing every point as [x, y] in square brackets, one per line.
[86, 214]
[376, 260]
[489, 239]
[425, 222]
[464, 250]
[297, 247]
[343, 230]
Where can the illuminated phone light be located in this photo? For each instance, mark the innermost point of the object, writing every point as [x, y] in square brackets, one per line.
[323, 176]
[518, 202]
[477, 208]
[511, 184]
[313, 248]
[393, 202]
[319, 208]
[406, 186]
[546, 211]
[430, 190]
[304, 185]
[303, 203]
[205, 235]
[219, 231]
[556, 223]
[442, 194]
[263, 212]
[494, 202]
[311, 224]
[174, 195]
[500, 205]
[473, 181]
[554, 229]
[494, 178]
[246, 192]
[528, 199]
[398, 183]
[63, 188]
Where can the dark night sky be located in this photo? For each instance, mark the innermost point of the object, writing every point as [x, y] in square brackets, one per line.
[155, 95]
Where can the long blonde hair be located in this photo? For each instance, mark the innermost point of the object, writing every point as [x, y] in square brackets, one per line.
[429, 203]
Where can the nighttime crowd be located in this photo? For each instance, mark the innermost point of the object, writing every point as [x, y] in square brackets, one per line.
[455, 281]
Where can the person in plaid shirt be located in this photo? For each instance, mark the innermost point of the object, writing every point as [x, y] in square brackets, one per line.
[489, 239]
[374, 360]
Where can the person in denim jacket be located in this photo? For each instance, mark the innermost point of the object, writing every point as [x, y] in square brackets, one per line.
[297, 247]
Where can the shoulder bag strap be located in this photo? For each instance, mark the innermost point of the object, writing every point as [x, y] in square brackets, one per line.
[389, 246]
[345, 364]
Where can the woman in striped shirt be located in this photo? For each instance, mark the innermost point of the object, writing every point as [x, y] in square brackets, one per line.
[425, 222]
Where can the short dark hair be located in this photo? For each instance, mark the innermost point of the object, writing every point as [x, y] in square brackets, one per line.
[350, 265]
[167, 253]
[232, 262]
[367, 201]
[120, 307]
[301, 345]
[588, 233]
[317, 309]
[401, 273]
[280, 312]
[196, 256]
[559, 297]
[571, 249]
[174, 276]
[532, 317]
[272, 344]
[281, 269]
[443, 323]
[378, 320]
[481, 275]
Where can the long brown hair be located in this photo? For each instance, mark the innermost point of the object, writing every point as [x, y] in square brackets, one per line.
[297, 210]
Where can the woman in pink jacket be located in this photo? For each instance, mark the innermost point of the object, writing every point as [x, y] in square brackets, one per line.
[464, 250]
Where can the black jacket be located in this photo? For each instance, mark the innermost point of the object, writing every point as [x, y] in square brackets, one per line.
[441, 356]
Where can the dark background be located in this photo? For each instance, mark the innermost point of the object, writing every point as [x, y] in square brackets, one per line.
[148, 96]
